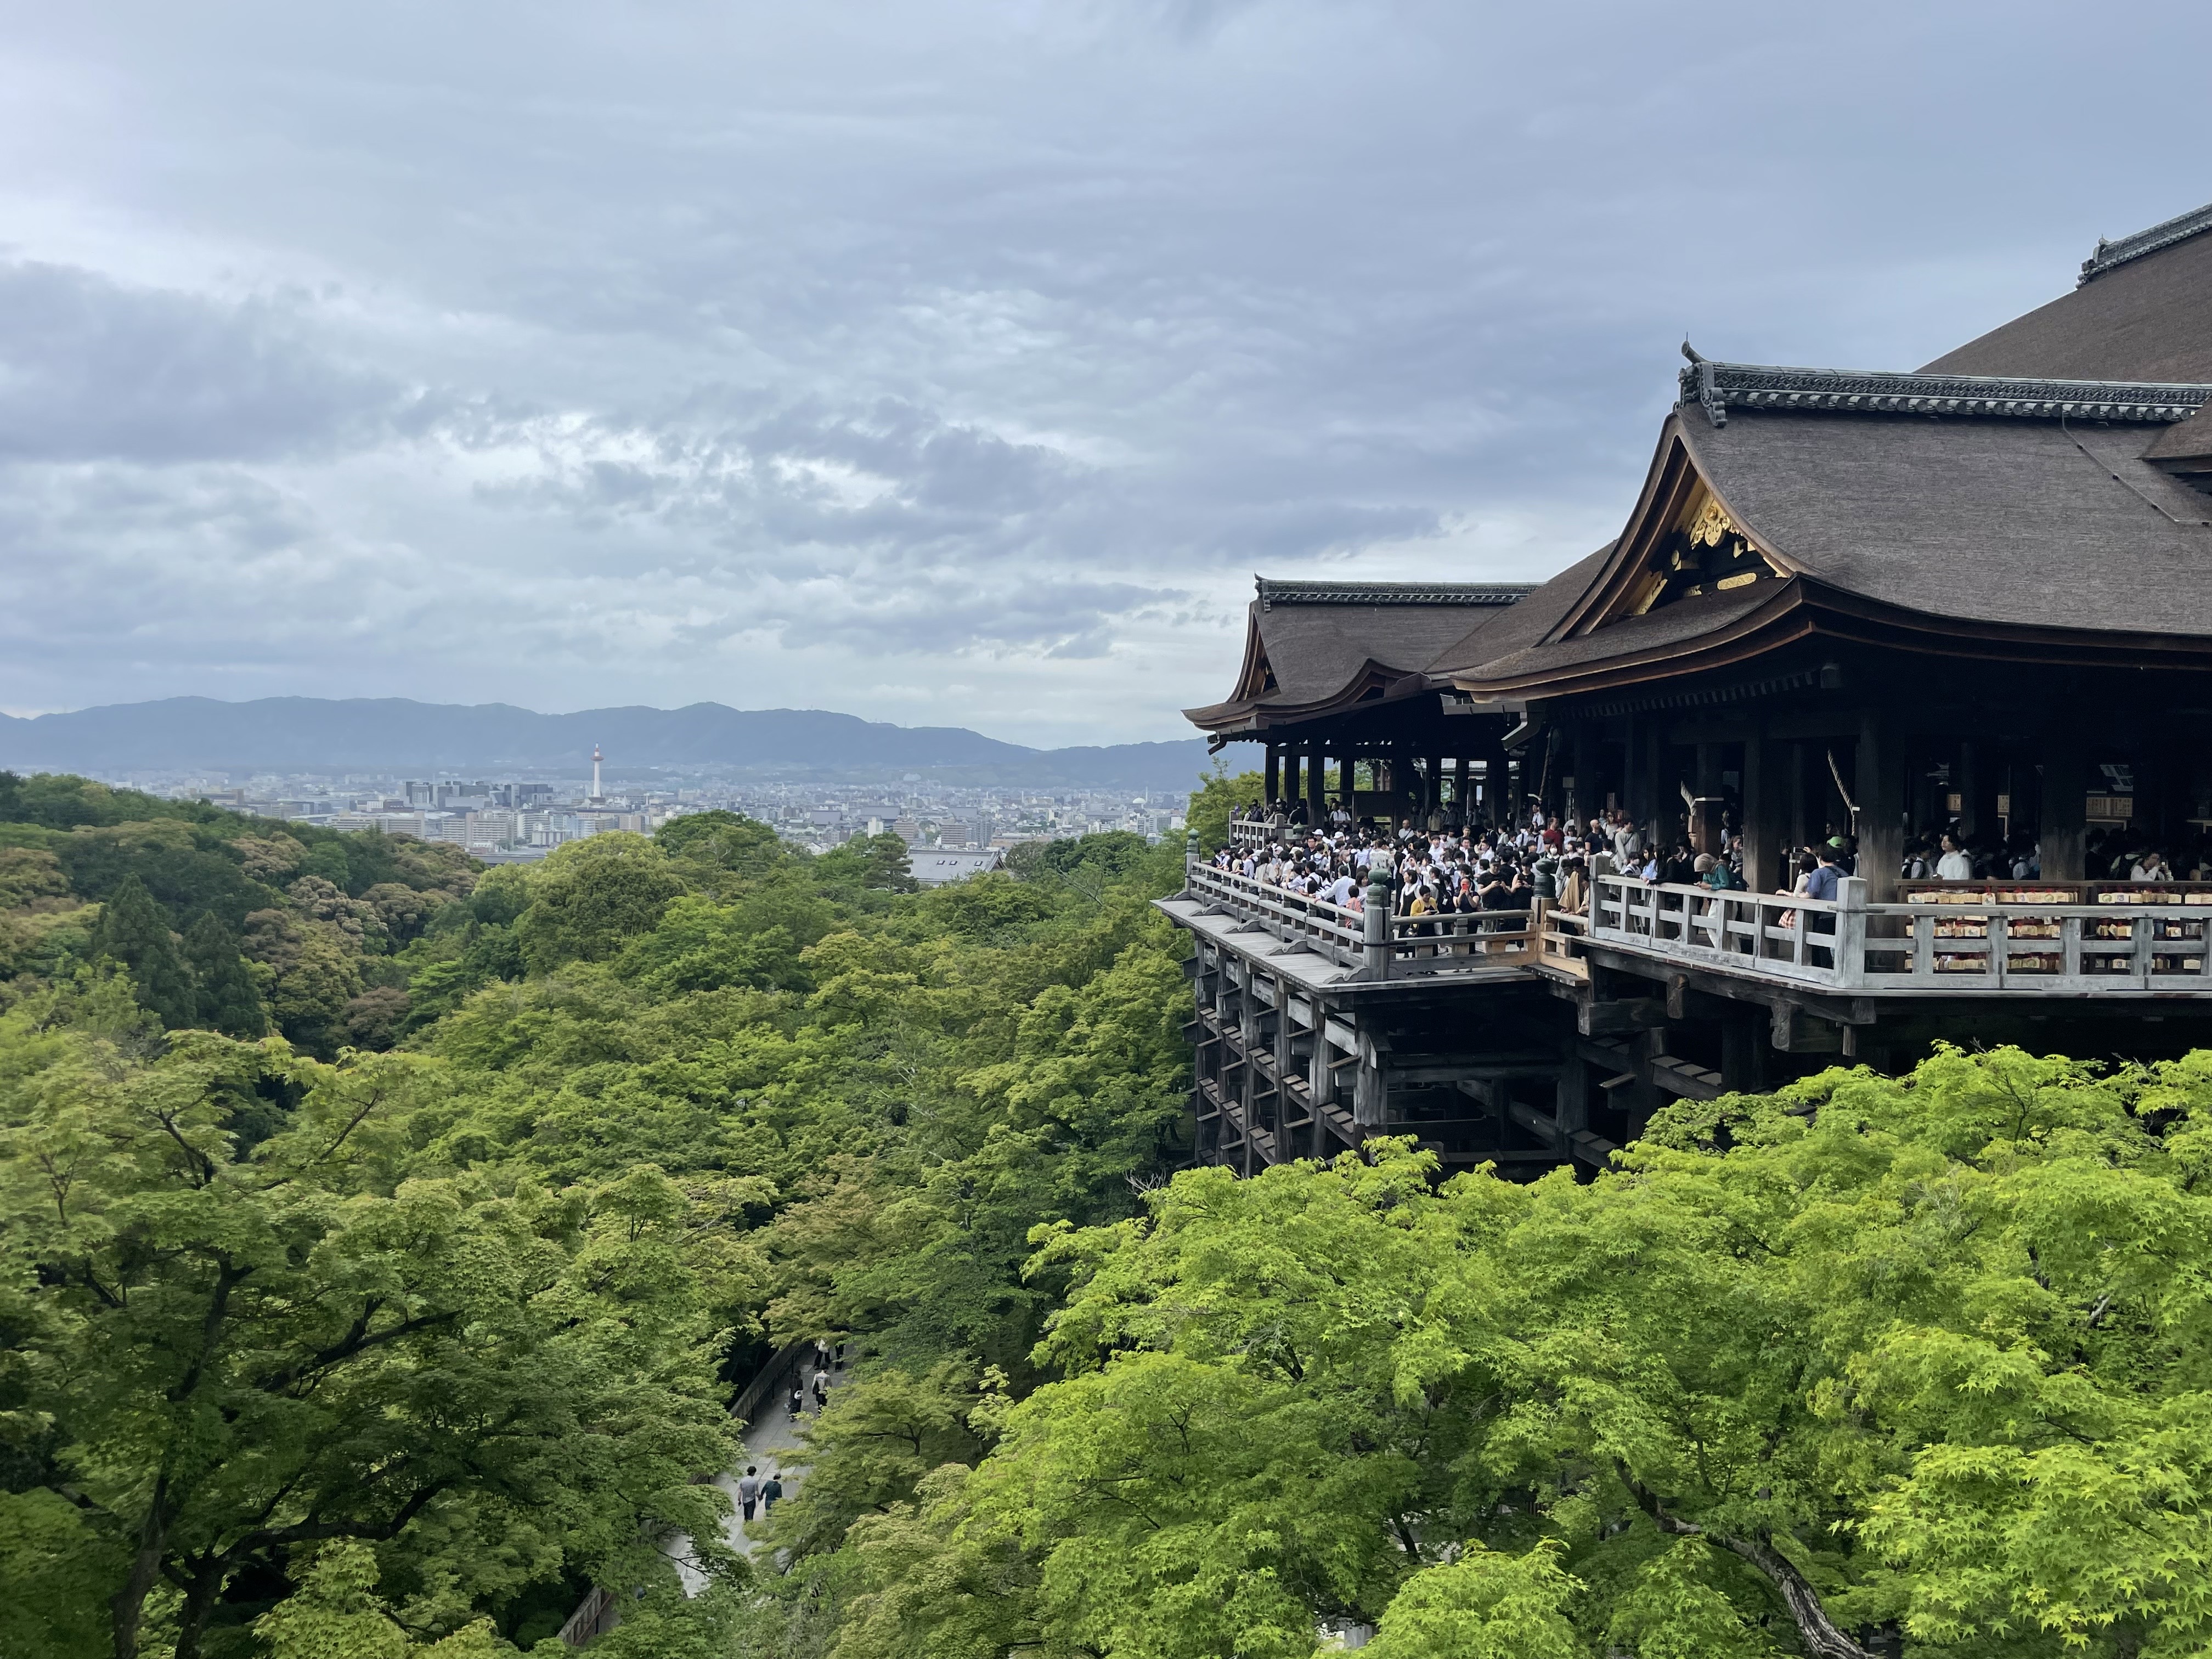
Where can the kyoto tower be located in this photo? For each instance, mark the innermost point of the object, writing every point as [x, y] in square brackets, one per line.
[597, 793]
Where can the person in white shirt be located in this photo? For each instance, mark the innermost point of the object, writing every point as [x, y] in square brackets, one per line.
[2151, 867]
[1954, 865]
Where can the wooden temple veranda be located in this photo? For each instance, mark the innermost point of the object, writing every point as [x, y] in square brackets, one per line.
[1837, 596]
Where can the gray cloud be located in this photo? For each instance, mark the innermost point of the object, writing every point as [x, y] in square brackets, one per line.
[93, 370]
[952, 362]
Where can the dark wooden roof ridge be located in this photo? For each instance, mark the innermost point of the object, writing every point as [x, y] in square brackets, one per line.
[1717, 387]
[1329, 645]
[1799, 609]
[2164, 235]
[1689, 637]
[2151, 613]
[1374, 683]
[2141, 311]
[1274, 592]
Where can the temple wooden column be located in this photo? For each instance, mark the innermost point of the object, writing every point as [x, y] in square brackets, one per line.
[1879, 787]
[1492, 756]
[1316, 786]
[2064, 825]
[1462, 802]
[1289, 776]
[1800, 827]
[1585, 797]
[1705, 813]
[1978, 787]
[1274, 784]
[1766, 812]
[1647, 748]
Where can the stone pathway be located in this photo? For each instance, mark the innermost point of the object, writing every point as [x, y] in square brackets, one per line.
[772, 1445]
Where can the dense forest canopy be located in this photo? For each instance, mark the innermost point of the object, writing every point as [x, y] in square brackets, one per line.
[386, 1238]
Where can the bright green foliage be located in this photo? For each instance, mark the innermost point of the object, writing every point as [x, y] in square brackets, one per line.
[700, 946]
[315, 914]
[56, 1566]
[873, 1446]
[238, 1355]
[711, 846]
[1928, 1351]
[338, 1615]
[1211, 803]
[592, 896]
[668, 1099]
[227, 998]
[134, 933]
[1486, 1605]
[869, 863]
[914, 1582]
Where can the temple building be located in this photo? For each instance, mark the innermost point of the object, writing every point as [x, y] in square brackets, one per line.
[1976, 595]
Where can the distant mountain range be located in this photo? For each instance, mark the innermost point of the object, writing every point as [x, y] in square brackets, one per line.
[395, 734]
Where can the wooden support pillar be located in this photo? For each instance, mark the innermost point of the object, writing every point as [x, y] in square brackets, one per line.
[2162, 806]
[2065, 802]
[1647, 806]
[1705, 833]
[1800, 829]
[1643, 1097]
[1978, 787]
[1370, 1095]
[1248, 1026]
[1743, 1049]
[1273, 784]
[1571, 1099]
[1289, 776]
[1766, 812]
[1317, 786]
[1463, 800]
[1492, 753]
[1321, 1080]
[1585, 798]
[1879, 787]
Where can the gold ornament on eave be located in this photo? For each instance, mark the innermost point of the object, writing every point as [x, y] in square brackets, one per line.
[1711, 525]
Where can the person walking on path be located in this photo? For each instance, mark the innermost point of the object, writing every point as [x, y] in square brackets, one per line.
[771, 1490]
[748, 1490]
[821, 1388]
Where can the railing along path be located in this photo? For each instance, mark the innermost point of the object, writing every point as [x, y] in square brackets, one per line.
[2031, 937]
[2027, 937]
[1400, 945]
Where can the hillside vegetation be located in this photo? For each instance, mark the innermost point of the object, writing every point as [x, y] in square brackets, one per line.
[314, 1346]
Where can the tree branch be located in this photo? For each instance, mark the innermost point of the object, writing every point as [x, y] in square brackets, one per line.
[375, 1099]
[1822, 1639]
[227, 1279]
[317, 1531]
[355, 1343]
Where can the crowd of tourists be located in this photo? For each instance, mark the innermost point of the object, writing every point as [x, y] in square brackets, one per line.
[1447, 869]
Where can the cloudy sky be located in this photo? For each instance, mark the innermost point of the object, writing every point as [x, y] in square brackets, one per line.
[943, 362]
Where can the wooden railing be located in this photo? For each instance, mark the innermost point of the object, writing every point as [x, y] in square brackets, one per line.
[598, 1612]
[2022, 937]
[765, 1384]
[1403, 946]
[1561, 936]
